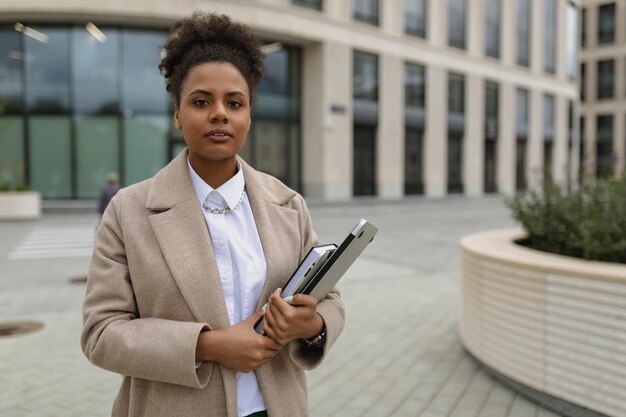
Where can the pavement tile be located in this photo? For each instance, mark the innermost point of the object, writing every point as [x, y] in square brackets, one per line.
[400, 354]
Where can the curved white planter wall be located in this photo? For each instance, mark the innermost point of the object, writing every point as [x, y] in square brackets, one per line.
[553, 323]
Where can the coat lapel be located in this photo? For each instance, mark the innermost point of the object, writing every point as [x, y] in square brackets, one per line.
[183, 237]
[277, 226]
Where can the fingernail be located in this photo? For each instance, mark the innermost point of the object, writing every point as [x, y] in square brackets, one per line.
[289, 299]
[264, 306]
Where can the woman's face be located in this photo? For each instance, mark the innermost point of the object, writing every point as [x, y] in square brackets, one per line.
[214, 112]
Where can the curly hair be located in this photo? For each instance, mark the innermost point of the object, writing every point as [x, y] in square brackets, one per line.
[209, 37]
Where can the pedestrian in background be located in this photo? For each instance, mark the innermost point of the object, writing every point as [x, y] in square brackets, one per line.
[110, 189]
[184, 261]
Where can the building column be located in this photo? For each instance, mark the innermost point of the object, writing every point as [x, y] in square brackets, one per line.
[474, 137]
[436, 132]
[327, 121]
[506, 147]
[591, 90]
[562, 31]
[592, 26]
[391, 16]
[338, 9]
[390, 134]
[508, 33]
[534, 167]
[537, 35]
[559, 153]
[619, 141]
[475, 27]
[437, 23]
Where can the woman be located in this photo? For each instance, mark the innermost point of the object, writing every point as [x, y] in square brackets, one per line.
[183, 261]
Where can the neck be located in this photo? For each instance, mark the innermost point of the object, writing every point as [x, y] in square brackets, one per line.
[214, 173]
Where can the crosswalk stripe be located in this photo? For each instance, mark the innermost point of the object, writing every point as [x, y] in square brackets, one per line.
[55, 242]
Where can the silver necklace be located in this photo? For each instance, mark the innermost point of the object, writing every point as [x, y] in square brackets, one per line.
[223, 210]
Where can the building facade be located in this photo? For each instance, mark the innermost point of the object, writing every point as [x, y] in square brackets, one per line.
[603, 87]
[362, 97]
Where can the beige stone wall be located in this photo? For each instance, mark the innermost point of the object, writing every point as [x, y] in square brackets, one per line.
[328, 39]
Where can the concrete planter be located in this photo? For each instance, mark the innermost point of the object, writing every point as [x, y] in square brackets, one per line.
[552, 323]
[22, 205]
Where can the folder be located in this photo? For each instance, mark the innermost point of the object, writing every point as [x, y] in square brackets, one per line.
[324, 265]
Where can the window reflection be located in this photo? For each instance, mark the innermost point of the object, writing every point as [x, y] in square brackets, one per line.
[492, 28]
[95, 72]
[48, 72]
[456, 23]
[415, 17]
[522, 10]
[365, 76]
[11, 58]
[365, 11]
[143, 90]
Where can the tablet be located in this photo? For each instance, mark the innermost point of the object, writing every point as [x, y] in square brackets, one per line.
[341, 259]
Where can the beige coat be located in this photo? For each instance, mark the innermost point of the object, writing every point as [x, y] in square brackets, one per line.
[154, 285]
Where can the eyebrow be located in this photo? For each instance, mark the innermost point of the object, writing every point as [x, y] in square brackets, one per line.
[208, 93]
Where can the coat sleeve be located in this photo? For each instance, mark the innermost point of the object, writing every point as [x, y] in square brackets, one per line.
[330, 308]
[115, 337]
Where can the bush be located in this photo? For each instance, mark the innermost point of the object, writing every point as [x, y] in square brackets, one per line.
[588, 222]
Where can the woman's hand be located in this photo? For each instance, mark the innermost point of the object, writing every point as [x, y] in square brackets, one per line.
[237, 347]
[298, 319]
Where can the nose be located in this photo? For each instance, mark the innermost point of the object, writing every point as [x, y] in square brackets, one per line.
[218, 114]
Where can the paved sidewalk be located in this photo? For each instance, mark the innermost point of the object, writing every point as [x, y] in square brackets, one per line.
[400, 354]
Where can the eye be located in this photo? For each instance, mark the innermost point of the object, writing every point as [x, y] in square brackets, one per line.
[200, 102]
[234, 103]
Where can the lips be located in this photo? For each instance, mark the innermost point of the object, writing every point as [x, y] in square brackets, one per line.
[218, 134]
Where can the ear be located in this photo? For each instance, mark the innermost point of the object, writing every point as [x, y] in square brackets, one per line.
[176, 119]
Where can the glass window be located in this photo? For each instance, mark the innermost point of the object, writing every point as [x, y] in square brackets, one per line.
[12, 163]
[606, 78]
[364, 161]
[414, 85]
[11, 58]
[606, 23]
[604, 146]
[456, 93]
[548, 134]
[456, 23]
[415, 17]
[49, 152]
[365, 11]
[491, 136]
[146, 136]
[277, 77]
[522, 9]
[311, 4]
[491, 110]
[583, 27]
[521, 106]
[583, 81]
[143, 90]
[47, 71]
[492, 28]
[572, 28]
[413, 161]
[97, 150]
[550, 25]
[365, 81]
[581, 148]
[95, 66]
[548, 117]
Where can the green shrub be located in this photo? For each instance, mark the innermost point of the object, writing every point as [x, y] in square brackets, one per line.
[588, 222]
[5, 186]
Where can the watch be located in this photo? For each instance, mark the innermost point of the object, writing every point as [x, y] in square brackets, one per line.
[317, 341]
